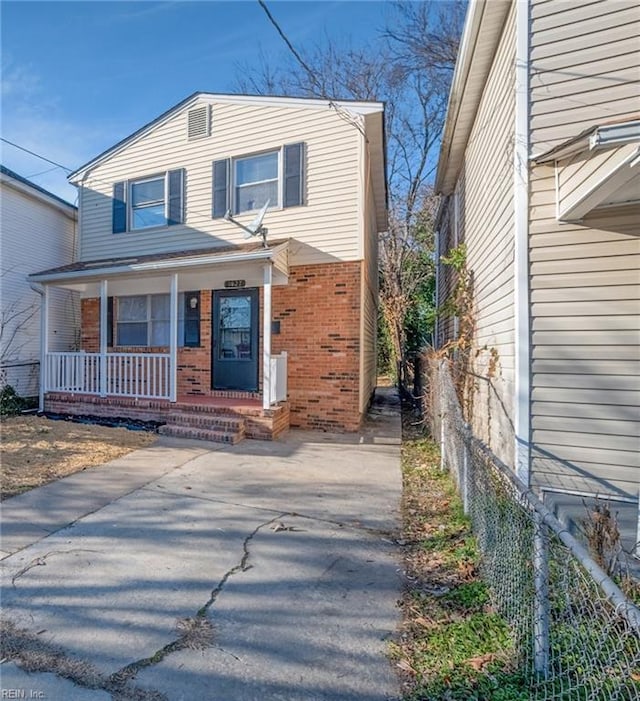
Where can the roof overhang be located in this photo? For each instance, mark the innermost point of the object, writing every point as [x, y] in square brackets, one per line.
[26, 187]
[207, 269]
[598, 168]
[480, 38]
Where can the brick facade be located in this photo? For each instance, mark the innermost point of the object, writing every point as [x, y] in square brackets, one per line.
[319, 317]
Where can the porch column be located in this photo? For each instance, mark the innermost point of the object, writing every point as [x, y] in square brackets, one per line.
[44, 344]
[173, 339]
[266, 338]
[103, 337]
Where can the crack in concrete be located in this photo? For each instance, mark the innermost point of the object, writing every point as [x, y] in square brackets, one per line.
[130, 671]
[40, 561]
[34, 655]
[292, 514]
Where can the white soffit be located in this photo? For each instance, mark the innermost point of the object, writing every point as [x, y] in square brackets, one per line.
[478, 46]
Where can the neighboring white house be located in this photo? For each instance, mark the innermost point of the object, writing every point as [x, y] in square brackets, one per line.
[540, 176]
[37, 230]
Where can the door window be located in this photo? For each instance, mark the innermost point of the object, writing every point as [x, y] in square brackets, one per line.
[234, 332]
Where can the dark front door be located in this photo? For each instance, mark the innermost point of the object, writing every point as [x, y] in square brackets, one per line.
[235, 339]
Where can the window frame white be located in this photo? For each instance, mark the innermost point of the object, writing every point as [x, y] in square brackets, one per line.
[279, 180]
[131, 208]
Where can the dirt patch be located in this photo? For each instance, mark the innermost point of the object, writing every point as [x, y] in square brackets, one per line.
[36, 450]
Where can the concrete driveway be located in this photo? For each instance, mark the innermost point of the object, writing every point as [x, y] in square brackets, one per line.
[192, 571]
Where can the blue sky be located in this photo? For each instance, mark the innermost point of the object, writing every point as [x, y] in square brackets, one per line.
[79, 76]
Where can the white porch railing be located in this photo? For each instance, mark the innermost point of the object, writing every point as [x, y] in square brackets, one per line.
[278, 377]
[144, 375]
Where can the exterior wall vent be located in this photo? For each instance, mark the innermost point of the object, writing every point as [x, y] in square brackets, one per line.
[199, 122]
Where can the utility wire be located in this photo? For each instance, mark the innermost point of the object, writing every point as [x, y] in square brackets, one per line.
[344, 114]
[33, 153]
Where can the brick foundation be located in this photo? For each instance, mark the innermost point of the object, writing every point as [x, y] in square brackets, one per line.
[319, 316]
[259, 423]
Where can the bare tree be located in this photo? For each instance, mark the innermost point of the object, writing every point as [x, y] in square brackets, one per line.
[15, 317]
[409, 67]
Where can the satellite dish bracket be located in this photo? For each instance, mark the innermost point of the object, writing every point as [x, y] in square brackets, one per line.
[255, 228]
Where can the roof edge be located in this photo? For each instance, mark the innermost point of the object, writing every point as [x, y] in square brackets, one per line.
[360, 107]
[22, 184]
[483, 27]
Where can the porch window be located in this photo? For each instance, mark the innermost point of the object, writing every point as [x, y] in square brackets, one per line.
[256, 181]
[144, 320]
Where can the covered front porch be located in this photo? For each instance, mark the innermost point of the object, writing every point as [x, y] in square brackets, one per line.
[172, 338]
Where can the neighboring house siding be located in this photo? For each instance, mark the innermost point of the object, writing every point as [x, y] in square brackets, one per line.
[485, 221]
[585, 292]
[369, 303]
[327, 226]
[585, 65]
[35, 235]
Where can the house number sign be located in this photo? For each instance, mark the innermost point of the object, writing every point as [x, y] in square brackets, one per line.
[235, 283]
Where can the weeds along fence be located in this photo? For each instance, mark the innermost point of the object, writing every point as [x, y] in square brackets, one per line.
[575, 634]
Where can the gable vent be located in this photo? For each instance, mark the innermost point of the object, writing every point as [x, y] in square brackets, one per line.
[199, 123]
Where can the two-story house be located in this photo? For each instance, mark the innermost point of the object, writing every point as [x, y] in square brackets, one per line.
[540, 174]
[37, 228]
[188, 319]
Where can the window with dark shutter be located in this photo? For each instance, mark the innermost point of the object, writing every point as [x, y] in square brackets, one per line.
[109, 321]
[119, 208]
[293, 175]
[176, 197]
[192, 319]
[220, 188]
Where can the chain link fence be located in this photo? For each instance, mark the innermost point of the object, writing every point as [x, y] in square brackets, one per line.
[574, 633]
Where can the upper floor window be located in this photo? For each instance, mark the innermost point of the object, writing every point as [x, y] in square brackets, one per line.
[245, 183]
[149, 202]
[256, 181]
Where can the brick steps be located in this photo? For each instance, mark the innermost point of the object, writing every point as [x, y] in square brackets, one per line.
[202, 434]
[206, 426]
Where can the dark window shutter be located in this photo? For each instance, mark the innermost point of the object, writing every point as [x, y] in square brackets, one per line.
[176, 197]
[119, 207]
[110, 321]
[293, 175]
[191, 320]
[220, 188]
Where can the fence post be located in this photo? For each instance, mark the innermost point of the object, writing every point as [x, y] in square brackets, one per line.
[466, 467]
[541, 602]
[442, 430]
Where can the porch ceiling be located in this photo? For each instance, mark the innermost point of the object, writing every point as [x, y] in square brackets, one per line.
[148, 274]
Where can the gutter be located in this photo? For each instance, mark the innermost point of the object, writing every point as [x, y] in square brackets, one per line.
[265, 254]
[522, 306]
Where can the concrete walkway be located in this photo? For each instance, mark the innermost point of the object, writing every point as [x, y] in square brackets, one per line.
[193, 571]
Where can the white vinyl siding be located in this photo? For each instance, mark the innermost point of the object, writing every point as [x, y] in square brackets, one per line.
[327, 226]
[585, 285]
[34, 236]
[585, 346]
[585, 67]
[486, 223]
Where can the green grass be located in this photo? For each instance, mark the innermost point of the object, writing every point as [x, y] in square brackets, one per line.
[453, 645]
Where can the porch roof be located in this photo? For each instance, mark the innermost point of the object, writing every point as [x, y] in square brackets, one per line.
[235, 259]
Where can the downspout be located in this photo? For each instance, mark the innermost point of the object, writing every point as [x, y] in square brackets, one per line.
[39, 289]
[522, 350]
